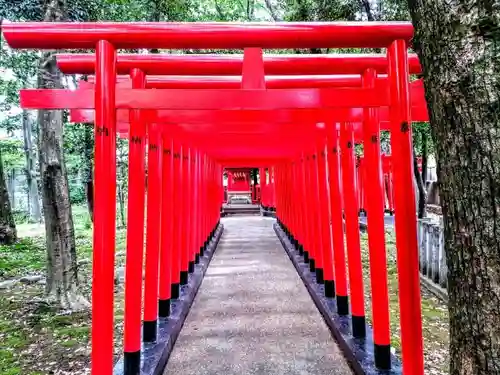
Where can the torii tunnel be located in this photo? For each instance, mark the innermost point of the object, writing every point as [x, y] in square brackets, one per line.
[295, 117]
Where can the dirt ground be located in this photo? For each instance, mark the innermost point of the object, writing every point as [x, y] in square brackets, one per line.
[38, 339]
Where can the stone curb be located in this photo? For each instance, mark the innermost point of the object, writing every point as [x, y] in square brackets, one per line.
[154, 356]
[358, 352]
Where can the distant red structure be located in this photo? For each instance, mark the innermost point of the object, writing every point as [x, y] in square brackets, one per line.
[238, 183]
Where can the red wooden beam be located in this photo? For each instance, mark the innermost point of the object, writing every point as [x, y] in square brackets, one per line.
[255, 117]
[208, 99]
[419, 107]
[200, 35]
[272, 82]
[248, 162]
[213, 65]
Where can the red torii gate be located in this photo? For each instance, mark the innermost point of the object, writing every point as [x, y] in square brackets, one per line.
[72, 63]
[232, 65]
[107, 37]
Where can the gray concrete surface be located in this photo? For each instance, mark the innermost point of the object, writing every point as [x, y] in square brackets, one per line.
[252, 314]
[388, 220]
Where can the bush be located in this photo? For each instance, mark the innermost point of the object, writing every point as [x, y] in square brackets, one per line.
[77, 193]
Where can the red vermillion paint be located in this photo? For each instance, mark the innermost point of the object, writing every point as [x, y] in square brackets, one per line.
[135, 236]
[104, 211]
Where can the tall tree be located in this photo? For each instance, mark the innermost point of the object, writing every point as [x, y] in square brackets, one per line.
[88, 175]
[421, 135]
[22, 68]
[62, 268]
[8, 233]
[33, 199]
[458, 43]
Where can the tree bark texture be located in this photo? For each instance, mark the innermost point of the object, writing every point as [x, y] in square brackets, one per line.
[62, 271]
[33, 198]
[8, 233]
[425, 156]
[88, 172]
[12, 188]
[458, 43]
[420, 182]
[422, 194]
[368, 10]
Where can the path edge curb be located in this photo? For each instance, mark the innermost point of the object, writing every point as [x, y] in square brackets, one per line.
[154, 356]
[358, 352]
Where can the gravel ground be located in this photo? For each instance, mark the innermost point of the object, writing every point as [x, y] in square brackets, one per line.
[253, 315]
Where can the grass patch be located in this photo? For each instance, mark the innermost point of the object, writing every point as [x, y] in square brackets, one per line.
[37, 338]
[434, 311]
[77, 333]
[70, 343]
[26, 256]
[12, 336]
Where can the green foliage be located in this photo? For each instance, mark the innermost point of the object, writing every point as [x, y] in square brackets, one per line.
[33, 10]
[25, 256]
[421, 130]
[133, 10]
[12, 154]
[77, 193]
[318, 10]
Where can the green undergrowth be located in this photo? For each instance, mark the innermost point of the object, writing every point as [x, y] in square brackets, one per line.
[434, 311]
[37, 338]
[26, 256]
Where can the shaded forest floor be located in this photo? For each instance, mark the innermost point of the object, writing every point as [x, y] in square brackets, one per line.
[434, 311]
[39, 339]
[36, 337]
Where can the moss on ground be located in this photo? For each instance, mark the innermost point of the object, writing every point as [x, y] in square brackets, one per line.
[36, 337]
[434, 311]
[26, 256]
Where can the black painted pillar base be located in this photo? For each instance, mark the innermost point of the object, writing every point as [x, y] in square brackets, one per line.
[149, 329]
[175, 291]
[202, 250]
[132, 363]
[306, 256]
[191, 267]
[330, 288]
[197, 259]
[319, 276]
[311, 265]
[382, 356]
[184, 277]
[342, 305]
[358, 326]
[164, 308]
[360, 352]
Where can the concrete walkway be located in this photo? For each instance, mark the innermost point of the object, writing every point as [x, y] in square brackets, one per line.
[252, 314]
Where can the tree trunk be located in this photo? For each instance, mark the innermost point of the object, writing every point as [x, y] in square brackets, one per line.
[121, 199]
[88, 175]
[62, 270]
[368, 10]
[8, 233]
[33, 199]
[272, 11]
[422, 193]
[458, 43]
[425, 155]
[12, 188]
